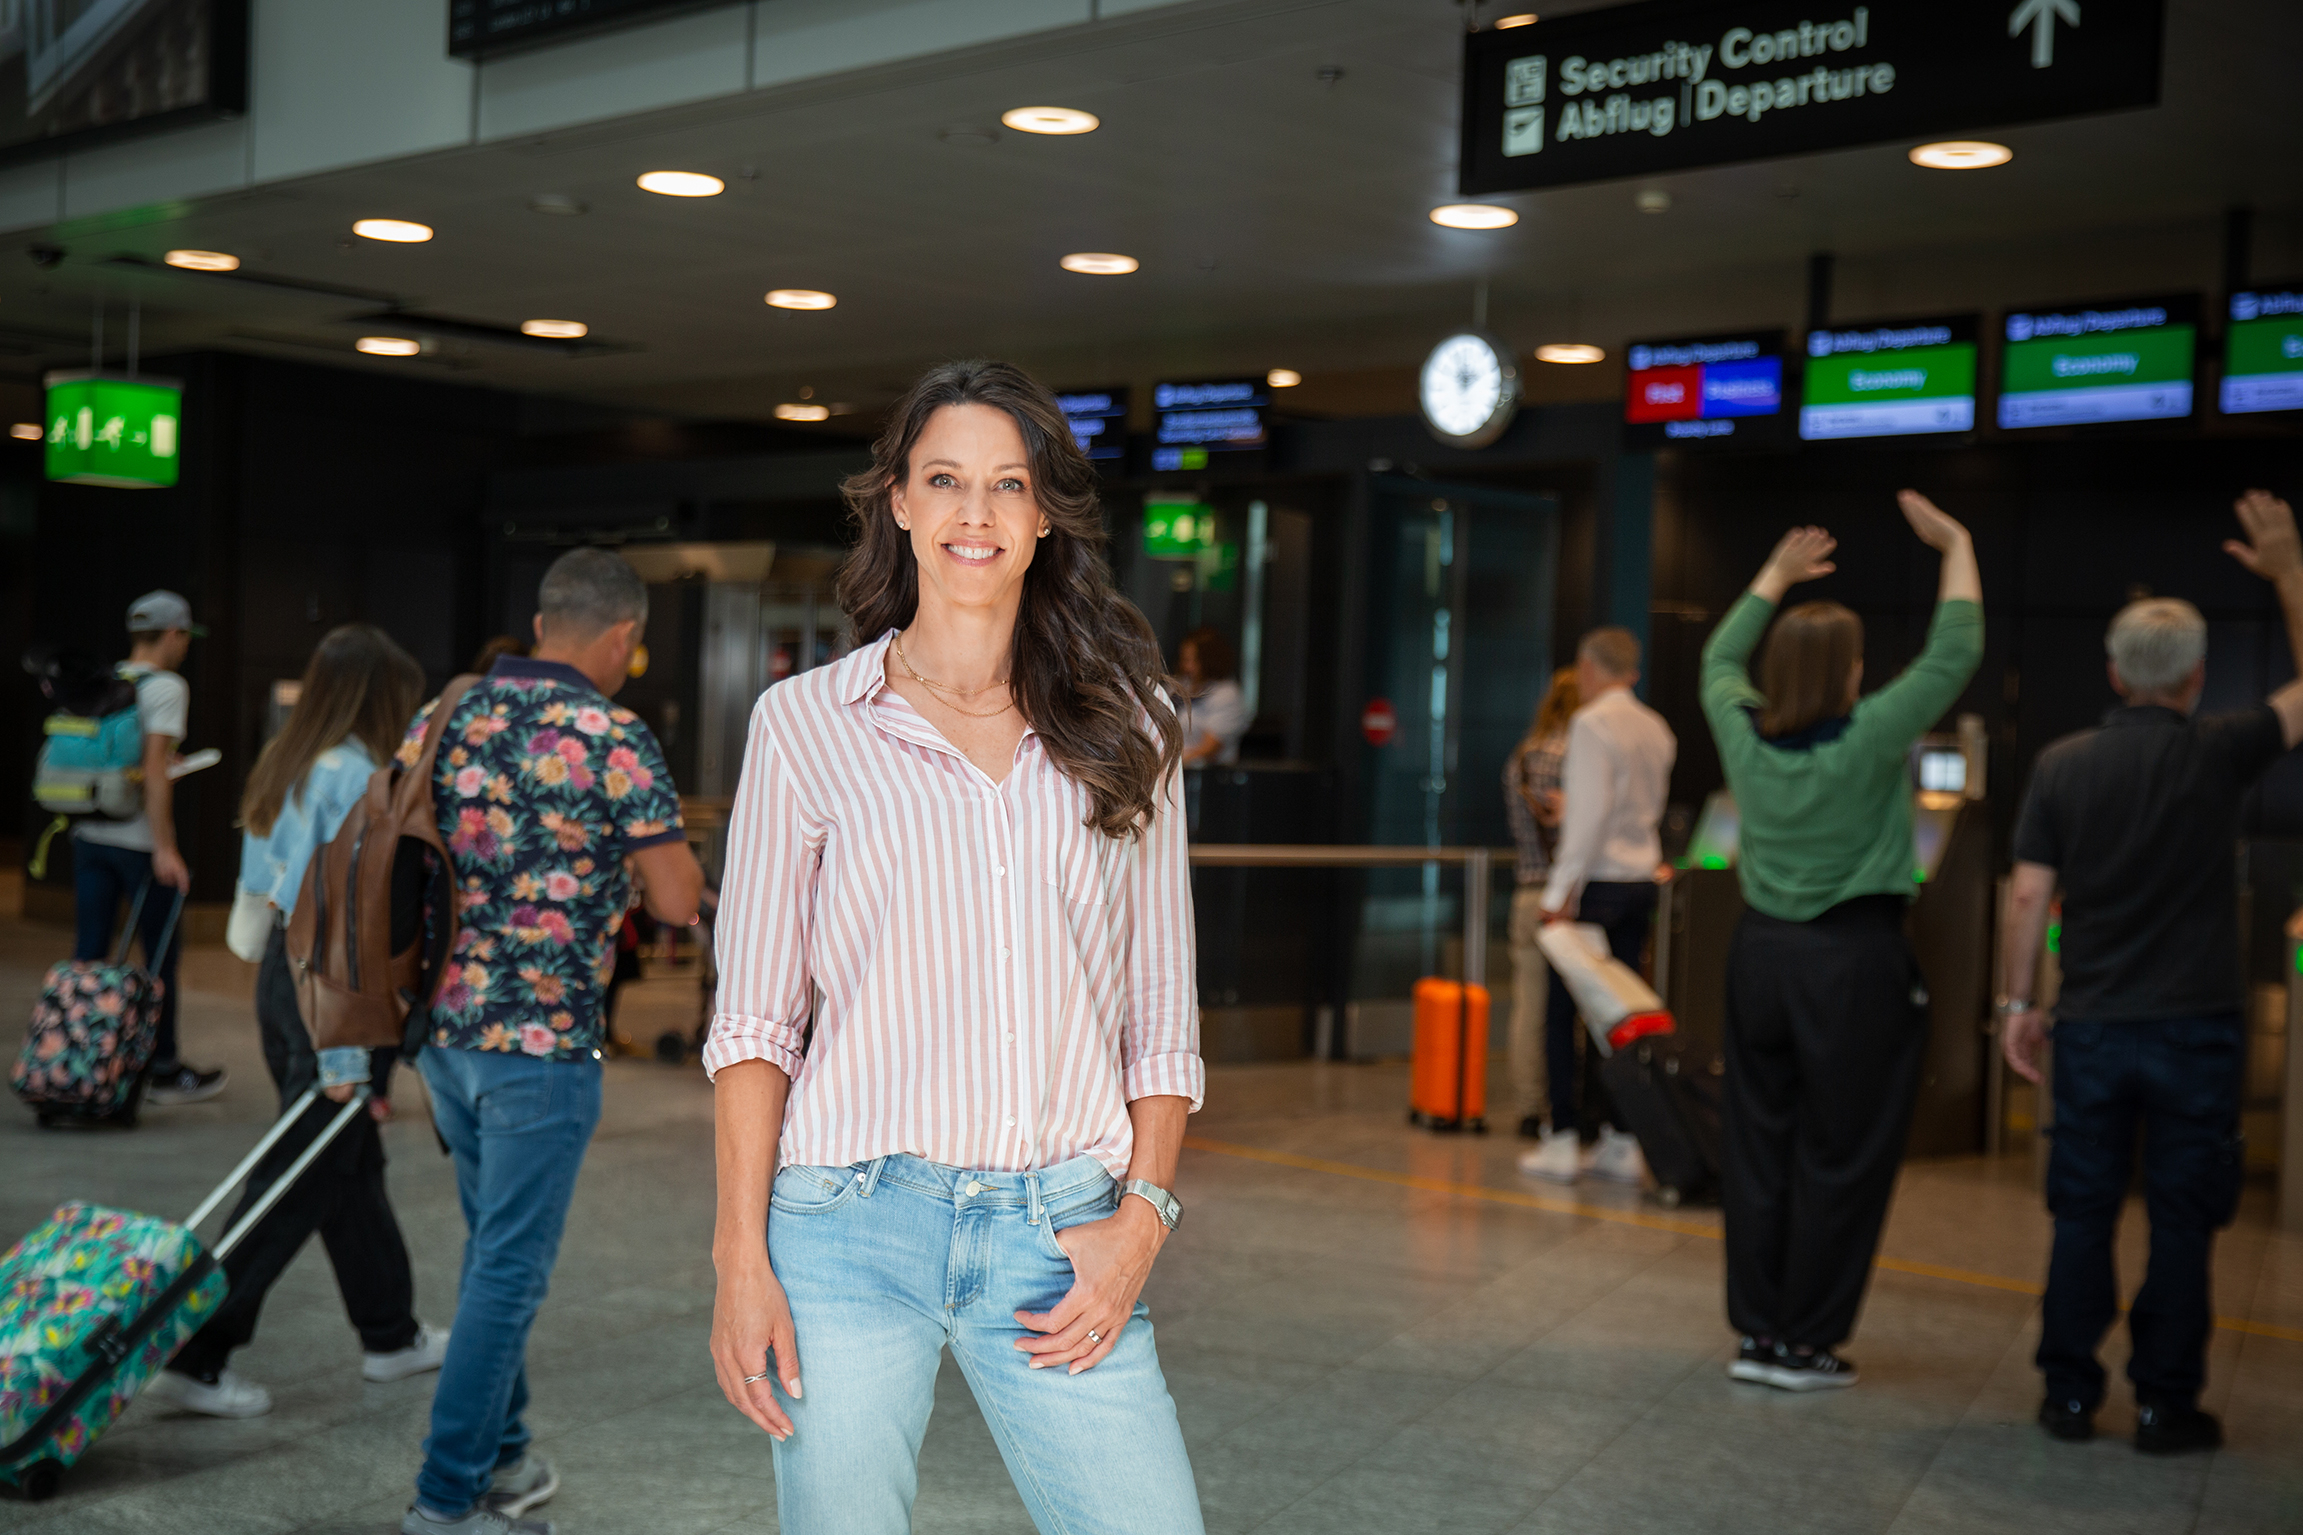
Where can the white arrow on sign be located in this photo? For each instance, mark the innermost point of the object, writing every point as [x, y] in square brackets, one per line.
[2040, 16]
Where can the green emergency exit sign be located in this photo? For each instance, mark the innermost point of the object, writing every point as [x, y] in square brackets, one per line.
[114, 431]
[1177, 529]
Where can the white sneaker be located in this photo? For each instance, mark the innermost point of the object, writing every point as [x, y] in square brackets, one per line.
[430, 1347]
[1616, 1158]
[1559, 1159]
[231, 1396]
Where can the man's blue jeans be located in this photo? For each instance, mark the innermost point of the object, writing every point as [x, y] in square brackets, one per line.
[2178, 1080]
[518, 1127]
[887, 1263]
[102, 877]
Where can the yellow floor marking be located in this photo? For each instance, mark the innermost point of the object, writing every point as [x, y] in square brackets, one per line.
[1562, 1206]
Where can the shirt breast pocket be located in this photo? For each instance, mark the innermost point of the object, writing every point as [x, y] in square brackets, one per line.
[1080, 865]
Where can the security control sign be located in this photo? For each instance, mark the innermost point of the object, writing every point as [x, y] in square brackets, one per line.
[1635, 89]
[114, 431]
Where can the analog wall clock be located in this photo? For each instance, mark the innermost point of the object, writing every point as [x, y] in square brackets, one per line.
[1469, 389]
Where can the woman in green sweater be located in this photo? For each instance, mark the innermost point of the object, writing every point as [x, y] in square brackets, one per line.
[1825, 1030]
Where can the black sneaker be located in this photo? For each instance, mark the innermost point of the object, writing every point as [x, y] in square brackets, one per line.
[1754, 1360]
[2067, 1420]
[1819, 1370]
[184, 1084]
[2171, 1428]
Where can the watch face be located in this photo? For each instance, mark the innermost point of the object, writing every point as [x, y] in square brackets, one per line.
[1468, 389]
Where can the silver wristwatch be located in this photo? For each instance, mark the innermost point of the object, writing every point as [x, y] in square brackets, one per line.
[1161, 1201]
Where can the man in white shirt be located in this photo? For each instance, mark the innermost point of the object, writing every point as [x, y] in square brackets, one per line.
[1618, 770]
[113, 860]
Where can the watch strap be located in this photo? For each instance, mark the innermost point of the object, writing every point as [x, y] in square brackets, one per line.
[1164, 1204]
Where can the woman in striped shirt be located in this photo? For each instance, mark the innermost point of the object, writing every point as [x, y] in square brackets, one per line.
[957, 1031]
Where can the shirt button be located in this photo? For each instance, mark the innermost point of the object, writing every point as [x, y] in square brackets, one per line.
[998, 870]
[1011, 1039]
[1011, 1119]
[1004, 955]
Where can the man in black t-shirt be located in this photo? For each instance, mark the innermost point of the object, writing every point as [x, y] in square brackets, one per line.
[2138, 821]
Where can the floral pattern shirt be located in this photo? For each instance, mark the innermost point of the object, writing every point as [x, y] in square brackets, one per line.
[544, 787]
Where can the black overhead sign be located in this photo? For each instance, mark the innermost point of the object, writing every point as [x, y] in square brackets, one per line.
[1668, 84]
[479, 28]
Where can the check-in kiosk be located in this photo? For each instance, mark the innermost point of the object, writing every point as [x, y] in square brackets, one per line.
[1950, 927]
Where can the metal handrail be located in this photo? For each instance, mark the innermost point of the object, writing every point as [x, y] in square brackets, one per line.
[1477, 861]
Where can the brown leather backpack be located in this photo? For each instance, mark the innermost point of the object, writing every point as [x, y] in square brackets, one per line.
[375, 920]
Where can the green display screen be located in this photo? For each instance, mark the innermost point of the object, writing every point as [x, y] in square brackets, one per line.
[113, 431]
[1176, 530]
[2115, 362]
[1895, 379]
[2263, 351]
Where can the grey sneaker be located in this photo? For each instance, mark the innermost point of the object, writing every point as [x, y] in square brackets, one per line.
[476, 1520]
[521, 1486]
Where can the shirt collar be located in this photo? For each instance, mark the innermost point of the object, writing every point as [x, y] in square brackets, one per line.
[864, 670]
[2144, 714]
[531, 668]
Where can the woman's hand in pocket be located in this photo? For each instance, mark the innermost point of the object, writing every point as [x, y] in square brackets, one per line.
[752, 1335]
[1111, 1259]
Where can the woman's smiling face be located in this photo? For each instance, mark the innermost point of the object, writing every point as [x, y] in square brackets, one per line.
[967, 499]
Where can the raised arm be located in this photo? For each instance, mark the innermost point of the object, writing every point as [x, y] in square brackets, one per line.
[2272, 551]
[1933, 682]
[1962, 580]
[1802, 554]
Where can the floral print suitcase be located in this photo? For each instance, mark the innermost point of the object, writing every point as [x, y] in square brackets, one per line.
[92, 1304]
[91, 1038]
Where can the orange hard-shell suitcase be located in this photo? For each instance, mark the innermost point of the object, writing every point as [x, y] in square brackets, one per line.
[1448, 1078]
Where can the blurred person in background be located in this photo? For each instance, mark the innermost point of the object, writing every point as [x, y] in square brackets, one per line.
[359, 689]
[496, 646]
[1531, 804]
[2138, 822]
[1614, 778]
[1826, 1008]
[1214, 710]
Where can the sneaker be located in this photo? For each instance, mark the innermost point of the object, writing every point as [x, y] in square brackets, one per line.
[1821, 1370]
[479, 1519]
[1531, 1128]
[1559, 1159]
[228, 1396]
[2172, 1428]
[521, 1486]
[184, 1084]
[430, 1347]
[1616, 1158]
[2067, 1420]
[1754, 1360]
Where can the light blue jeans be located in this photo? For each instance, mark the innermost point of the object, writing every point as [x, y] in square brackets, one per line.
[518, 1127]
[888, 1262]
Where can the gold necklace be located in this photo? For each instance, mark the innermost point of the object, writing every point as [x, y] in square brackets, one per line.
[935, 687]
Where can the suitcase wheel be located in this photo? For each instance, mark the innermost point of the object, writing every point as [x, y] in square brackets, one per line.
[1415, 1118]
[37, 1483]
[1668, 1196]
[1477, 1127]
[671, 1047]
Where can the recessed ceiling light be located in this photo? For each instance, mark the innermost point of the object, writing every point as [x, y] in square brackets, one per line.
[1099, 263]
[1570, 351]
[1056, 120]
[1961, 155]
[555, 330]
[800, 298]
[388, 346]
[1652, 200]
[682, 184]
[557, 202]
[797, 412]
[1283, 378]
[1474, 216]
[26, 431]
[397, 231]
[203, 261]
[1523, 19]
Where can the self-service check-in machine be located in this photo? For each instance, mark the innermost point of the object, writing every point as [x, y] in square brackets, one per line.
[1950, 927]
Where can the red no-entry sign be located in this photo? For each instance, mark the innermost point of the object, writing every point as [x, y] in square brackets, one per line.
[1379, 722]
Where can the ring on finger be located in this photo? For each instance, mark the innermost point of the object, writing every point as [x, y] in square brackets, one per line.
[1094, 1336]
[753, 1380]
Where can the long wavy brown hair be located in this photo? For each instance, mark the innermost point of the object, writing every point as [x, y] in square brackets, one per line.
[1085, 668]
[359, 685]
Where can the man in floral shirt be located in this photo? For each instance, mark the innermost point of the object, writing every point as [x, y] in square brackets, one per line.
[549, 796]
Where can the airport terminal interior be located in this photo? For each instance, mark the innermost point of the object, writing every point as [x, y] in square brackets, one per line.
[1410, 342]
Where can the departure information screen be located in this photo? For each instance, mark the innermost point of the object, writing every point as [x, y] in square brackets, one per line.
[1099, 420]
[1703, 389]
[1892, 379]
[2263, 351]
[2128, 361]
[1201, 422]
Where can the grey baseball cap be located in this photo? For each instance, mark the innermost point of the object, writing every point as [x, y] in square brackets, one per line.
[162, 610]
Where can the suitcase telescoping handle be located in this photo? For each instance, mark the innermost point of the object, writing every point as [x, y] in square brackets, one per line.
[352, 1110]
[167, 932]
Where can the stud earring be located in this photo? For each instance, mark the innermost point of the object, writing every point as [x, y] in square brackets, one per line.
[1044, 532]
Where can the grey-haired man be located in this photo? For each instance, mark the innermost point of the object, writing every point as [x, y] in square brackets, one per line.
[2138, 821]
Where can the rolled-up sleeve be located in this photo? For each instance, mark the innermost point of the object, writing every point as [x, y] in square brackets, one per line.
[1159, 1041]
[767, 907]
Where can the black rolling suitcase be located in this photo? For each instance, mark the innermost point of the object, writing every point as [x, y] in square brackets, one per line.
[1669, 1096]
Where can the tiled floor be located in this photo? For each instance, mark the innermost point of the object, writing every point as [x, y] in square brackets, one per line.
[1366, 1329]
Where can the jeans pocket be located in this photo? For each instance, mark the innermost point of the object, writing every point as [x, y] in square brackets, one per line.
[802, 1190]
[1075, 1209]
[520, 1104]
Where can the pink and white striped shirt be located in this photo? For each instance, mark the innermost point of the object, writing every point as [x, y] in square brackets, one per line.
[997, 980]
